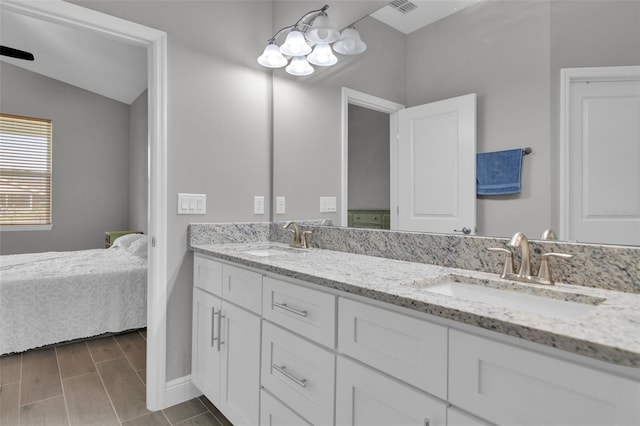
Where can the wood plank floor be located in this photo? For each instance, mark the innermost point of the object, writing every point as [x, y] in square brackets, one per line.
[99, 382]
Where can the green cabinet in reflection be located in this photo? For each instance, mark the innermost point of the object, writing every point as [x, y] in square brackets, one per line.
[372, 219]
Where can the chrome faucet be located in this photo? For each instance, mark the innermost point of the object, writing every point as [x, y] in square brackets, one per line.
[520, 240]
[297, 235]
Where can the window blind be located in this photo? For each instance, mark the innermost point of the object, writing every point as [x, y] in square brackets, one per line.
[25, 170]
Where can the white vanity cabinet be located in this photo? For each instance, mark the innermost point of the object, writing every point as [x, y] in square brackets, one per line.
[508, 385]
[279, 352]
[226, 338]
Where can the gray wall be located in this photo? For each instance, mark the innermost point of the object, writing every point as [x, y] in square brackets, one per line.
[219, 128]
[90, 168]
[368, 167]
[307, 118]
[138, 163]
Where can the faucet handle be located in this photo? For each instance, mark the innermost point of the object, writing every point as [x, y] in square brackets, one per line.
[306, 239]
[508, 260]
[544, 274]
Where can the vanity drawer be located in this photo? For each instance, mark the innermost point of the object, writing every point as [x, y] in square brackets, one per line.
[242, 287]
[275, 413]
[409, 349]
[207, 274]
[302, 310]
[509, 385]
[299, 373]
[367, 397]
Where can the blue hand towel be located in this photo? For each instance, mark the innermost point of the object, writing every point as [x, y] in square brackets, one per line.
[498, 173]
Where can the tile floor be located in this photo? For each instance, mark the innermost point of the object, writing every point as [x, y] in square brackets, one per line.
[89, 383]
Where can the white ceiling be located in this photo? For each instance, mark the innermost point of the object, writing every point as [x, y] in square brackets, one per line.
[77, 57]
[426, 12]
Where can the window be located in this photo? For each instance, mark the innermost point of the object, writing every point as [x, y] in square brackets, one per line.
[25, 172]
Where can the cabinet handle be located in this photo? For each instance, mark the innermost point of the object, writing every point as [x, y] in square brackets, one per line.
[220, 317]
[284, 306]
[283, 370]
[213, 325]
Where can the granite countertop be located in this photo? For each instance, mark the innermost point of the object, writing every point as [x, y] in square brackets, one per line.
[610, 331]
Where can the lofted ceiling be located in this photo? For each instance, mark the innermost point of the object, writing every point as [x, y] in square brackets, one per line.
[77, 57]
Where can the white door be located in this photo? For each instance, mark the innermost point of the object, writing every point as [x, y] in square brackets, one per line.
[437, 167]
[604, 161]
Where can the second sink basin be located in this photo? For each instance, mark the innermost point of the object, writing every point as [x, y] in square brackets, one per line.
[272, 250]
[521, 297]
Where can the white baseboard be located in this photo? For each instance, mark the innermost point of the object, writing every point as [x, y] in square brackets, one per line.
[180, 390]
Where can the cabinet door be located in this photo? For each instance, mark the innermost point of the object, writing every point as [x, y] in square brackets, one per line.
[240, 382]
[409, 349]
[205, 353]
[275, 413]
[513, 386]
[365, 397]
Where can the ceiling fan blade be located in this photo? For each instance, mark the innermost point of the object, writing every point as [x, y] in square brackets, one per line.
[15, 53]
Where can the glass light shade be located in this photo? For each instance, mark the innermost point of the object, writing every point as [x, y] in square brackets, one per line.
[271, 57]
[321, 31]
[295, 44]
[299, 66]
[349, 43]
[322, 55]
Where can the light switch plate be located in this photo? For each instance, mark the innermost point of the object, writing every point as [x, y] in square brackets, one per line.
[280, 205]
[258, 204]
[192, 203]
[327, 204]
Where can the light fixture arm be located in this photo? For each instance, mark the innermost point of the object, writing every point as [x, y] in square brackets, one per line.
[298, 22]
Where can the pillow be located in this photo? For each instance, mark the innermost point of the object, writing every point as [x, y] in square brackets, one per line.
[126, 240]
[139, 247]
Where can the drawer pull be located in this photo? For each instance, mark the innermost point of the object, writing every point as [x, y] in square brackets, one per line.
[283, 370]
[284, 306]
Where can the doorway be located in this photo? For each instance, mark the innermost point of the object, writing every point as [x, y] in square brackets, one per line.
[154, 42]
[373, 103]
[600, 151]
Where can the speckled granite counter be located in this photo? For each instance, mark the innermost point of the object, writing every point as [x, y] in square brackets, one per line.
[609, 332]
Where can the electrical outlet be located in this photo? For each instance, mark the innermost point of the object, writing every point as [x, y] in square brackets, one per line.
[280, 206]
[327, 204]
[258, 204]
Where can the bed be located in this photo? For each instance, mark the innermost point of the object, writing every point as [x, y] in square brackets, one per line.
[52, 297]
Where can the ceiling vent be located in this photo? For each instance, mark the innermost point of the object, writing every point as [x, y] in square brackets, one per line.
[403, 6]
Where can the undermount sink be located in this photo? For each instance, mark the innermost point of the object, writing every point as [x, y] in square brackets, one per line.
[273, 250]
[516, 296]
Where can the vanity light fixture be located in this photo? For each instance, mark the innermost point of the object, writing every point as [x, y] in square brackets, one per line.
[311, 40]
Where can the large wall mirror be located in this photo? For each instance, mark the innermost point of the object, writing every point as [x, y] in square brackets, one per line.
[511, 55]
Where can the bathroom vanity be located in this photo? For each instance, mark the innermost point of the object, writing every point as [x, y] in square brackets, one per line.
[287, 336]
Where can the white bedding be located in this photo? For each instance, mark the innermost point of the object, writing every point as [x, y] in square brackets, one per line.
[52, 297]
